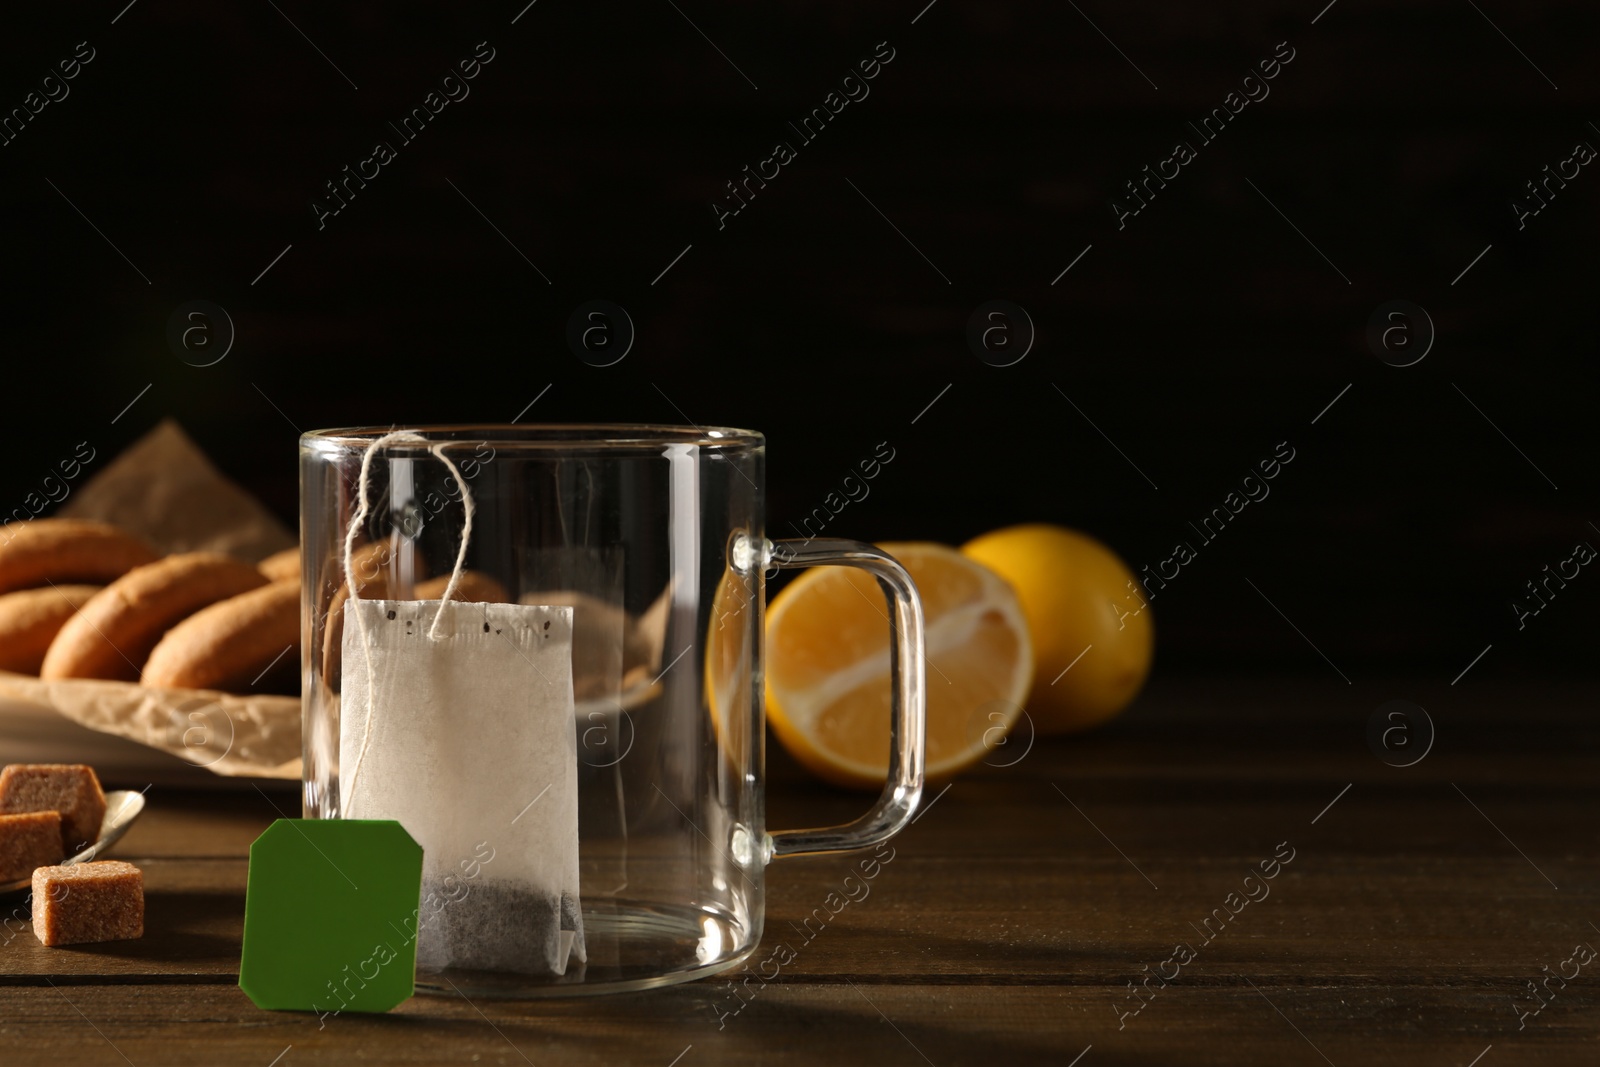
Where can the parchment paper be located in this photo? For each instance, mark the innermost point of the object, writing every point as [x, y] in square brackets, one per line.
[165, 490]
[256, 736]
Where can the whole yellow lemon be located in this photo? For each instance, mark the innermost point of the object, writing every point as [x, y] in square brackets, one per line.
[1091, 626]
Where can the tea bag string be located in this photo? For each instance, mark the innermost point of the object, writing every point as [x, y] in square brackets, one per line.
[357, 521]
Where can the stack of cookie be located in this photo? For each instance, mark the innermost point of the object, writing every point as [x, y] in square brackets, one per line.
[86, 600]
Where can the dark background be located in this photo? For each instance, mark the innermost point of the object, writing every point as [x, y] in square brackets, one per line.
[1197, 338]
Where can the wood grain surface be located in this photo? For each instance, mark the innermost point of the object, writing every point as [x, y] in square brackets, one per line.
[1418, 903]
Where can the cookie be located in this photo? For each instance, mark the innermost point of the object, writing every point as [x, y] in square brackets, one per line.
[66, 551]
[30, 620]
[376, 569]
[281, 566]
[113, 634]
[475, 587]
[232, 644]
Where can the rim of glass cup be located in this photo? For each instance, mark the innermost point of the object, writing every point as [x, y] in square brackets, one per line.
[535, 437]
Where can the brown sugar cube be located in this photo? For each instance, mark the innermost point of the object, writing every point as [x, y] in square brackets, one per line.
[69, 788]
[27, 842]
[85, 902]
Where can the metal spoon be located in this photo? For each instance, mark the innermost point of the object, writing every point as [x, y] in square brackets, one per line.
[122, 807]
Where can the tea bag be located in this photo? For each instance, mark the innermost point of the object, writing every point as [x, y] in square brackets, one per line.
[458, 721]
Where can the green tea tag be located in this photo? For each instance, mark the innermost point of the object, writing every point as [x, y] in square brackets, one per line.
[330, 916]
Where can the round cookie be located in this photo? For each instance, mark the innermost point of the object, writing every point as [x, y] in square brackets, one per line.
[62, 551]
[111, 637]
[232, 643]
[374, 565]
[281, 566]
[475, 587]
[30, 620]
[377, 564]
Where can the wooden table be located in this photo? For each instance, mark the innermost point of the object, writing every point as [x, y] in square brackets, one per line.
[1418, 904]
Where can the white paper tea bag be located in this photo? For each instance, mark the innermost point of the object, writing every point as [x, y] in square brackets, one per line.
[458, 720]
[472, 747]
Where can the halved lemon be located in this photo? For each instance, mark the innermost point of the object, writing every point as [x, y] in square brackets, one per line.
[827, 672]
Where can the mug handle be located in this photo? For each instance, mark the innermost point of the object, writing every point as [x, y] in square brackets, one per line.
[908, 698]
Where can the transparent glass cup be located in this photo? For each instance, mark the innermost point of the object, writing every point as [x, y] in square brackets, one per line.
[655, 536]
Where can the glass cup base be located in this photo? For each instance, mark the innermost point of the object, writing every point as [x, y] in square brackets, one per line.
[632, 945]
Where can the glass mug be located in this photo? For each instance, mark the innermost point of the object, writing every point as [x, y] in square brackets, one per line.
[654, 535]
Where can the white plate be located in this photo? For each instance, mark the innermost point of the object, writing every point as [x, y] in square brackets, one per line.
[32, 733]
